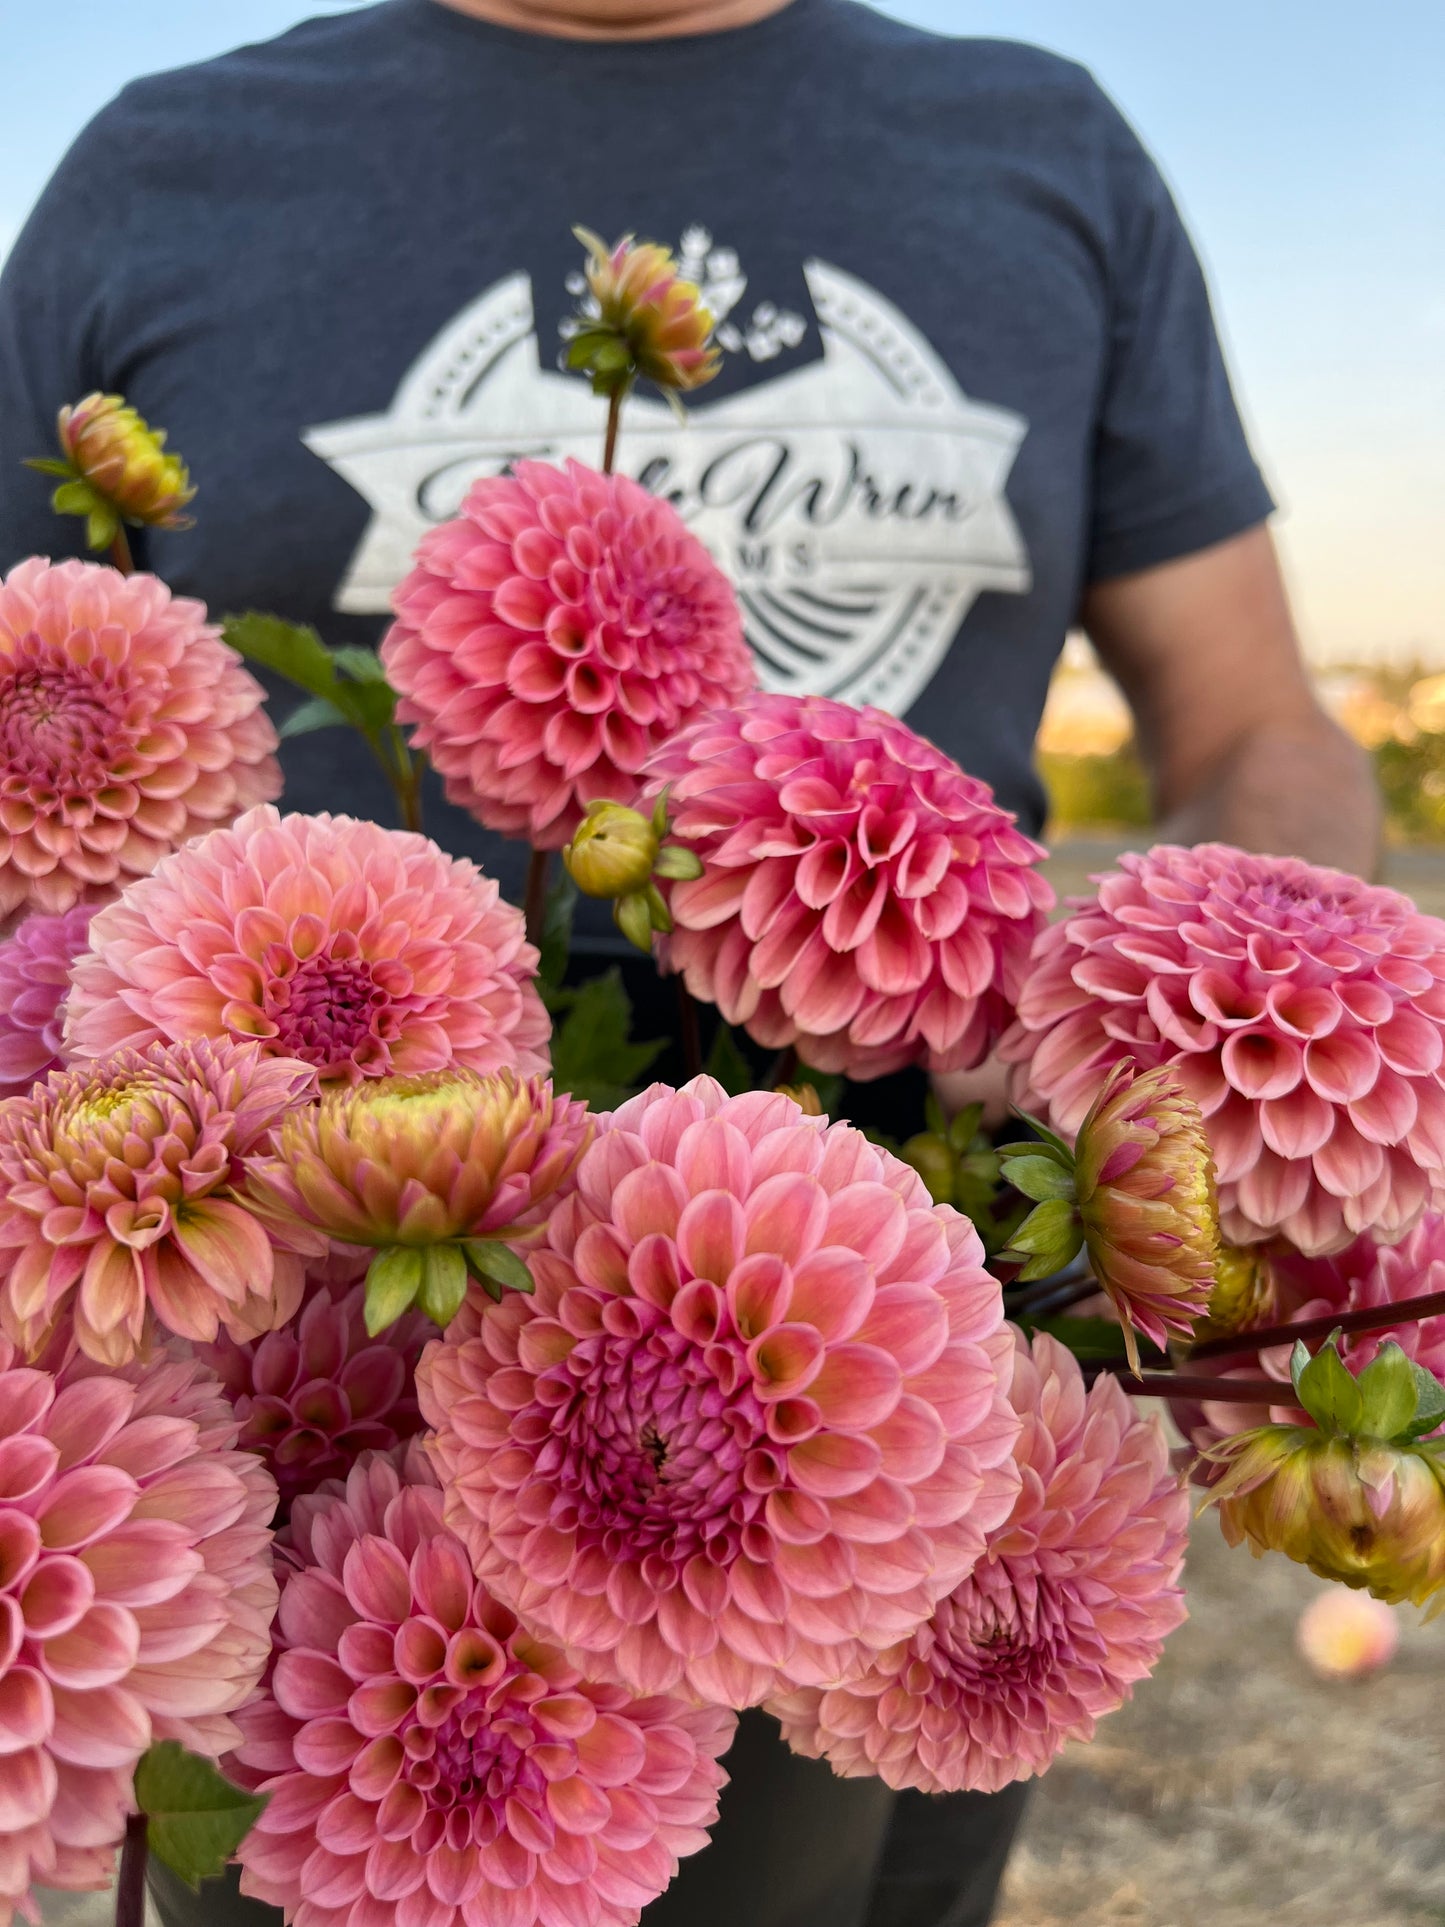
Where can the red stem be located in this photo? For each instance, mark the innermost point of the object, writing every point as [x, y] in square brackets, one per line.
[614, 422]
[120, 553]
[1223, 1391]
[1369, 1318]
[535, 902]
[130, 1886]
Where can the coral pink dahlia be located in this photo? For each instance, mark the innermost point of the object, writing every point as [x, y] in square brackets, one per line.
[431, 1763]
[126, 727]
[1067, 1610]
[358, 949]
[118, 1205]
[751, 1425]
[34, 979]
[551, 636]
[136, 1597]
[861, 898]
[312, 1397]
[1304, 1010]
[1371, 1277]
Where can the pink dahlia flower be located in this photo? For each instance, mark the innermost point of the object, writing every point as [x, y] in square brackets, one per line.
[118, 1206]
[551, 636]
[311, 1398]
[1304, 1011]
[34, 978]
[126, 727]
[1067, 1610]
[360, 950]
[861, 898]
[751, 1425]
[431, 1763]
[136, 1598]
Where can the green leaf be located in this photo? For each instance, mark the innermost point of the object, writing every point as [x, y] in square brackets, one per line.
[593, 1055]
[675, 860]
[443, 1283]
[1040, 1178]
[498, 1267]
[369, 706]
[75, 498]
[49, 465]
[1028, 1148]
[1389, 1392]
[633, 916]
[291, 649]
[1091, 1338]
[934, 1120]
[557, 929]
[392, 1283]
[1328, 1392]
[964, 1128]
[1430, 1402]
[195, 1819]
[1045, 1135]
[1046, 1240]
[725, 1062]
[360, 663]
[315, 713]
[102, 526]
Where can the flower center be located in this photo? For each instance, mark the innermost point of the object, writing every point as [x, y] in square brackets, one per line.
[326, 1010]
[477, 1757]
[991, 1639]
[60, 729]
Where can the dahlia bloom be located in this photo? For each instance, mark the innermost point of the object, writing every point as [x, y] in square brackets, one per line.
[1347, 1635]
[360, 950]
[861, 898]
[551, 636]
[1371, 1277]
[34, 978]
[431, 1762]
[1069, 1607]
[312, 1397]
[126, 727]
[118, 1205]
[1304, 1010]
[643, 319]
[751, 1425]
[136, 1598]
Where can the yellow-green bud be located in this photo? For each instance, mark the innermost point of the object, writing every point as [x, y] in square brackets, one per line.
[116, 470]
[1243, 1293]
[613, 851]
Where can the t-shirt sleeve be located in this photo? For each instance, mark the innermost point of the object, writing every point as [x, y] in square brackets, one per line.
[51, 303]
[1173, 472]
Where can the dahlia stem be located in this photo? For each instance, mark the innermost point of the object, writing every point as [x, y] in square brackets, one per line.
[784, 1067]
[1219, 1391]
[687, 1031]
[614, 422]
[1049, 1295]
[407, 785]
[130, 1886]
[1369, 1318]
[535, 901]
[120, 554]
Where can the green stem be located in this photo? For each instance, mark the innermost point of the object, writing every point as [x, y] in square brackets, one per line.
[130, 1886]
[120, 554]
[535, 902]
[1406, 1311]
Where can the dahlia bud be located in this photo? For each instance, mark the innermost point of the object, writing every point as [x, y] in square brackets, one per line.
[805, 1096]
[1138, 1190]
[116, 470]
[617, 852]
[642, 319]
[1244, 1292]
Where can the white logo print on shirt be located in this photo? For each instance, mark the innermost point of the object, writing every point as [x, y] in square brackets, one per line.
[856, 502]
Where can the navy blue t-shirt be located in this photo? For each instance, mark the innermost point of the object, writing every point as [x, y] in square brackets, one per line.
[969, 362]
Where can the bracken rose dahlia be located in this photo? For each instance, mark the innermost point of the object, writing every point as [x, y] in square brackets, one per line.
[359, 950]
[136, 1597]
[861, 898]
[118, 1201]
[751, 1425]
[34, 979]
[126, 727]
[1304, 1010]
[551, 636]
[430, 1761]
[311, 1398]
[1067, 1610]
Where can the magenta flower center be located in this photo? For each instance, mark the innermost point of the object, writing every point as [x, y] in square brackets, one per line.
[58, 731]
[325, 1010]
[472, 1761]
[1000, 1642]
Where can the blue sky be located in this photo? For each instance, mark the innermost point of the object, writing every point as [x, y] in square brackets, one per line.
[1306, 142]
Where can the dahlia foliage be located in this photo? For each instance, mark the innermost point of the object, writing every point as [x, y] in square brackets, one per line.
[585, 1416]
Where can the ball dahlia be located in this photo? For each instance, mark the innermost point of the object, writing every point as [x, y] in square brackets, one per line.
[1304, 1010]
[1069, 1607]
[312, 1397]
[861, 898]
[752, 1423]
[430, 1761]
[358, 949]
[118, 1200]
[551, 636]
[34, 979]
[136, 1597]
[126, 727]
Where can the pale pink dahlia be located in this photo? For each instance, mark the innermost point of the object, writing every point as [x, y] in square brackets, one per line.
[360, 950]
[861, 898]
[311, 1398]
[432, 1764]
[551, 636]
[1304, 1011]
[751, 1425]
[136, 1598]
[34, 978]
[126, 727]
[1069, 1607]
[118, 1200]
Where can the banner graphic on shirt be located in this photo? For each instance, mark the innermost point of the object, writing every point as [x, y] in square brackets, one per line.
[857, 502]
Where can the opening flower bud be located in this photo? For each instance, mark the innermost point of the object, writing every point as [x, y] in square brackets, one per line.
[116, 469]
[613, 851]
[642, 319]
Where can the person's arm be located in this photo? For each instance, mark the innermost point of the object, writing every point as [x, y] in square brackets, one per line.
[1237, 746]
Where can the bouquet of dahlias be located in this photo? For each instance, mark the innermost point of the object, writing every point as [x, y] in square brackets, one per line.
[416, 1443]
